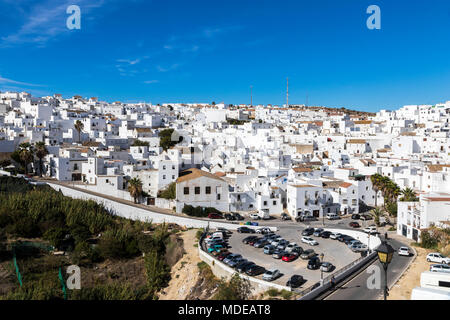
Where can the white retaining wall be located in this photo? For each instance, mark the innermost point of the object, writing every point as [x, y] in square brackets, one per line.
[135, 213]
[371, 241]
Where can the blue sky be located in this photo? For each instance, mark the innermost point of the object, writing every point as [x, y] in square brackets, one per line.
[203, 51]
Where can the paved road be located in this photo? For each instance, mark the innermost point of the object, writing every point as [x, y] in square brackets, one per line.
[356, 288]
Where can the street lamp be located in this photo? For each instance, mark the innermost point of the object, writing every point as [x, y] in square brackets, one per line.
[385, 253]
[321, 271]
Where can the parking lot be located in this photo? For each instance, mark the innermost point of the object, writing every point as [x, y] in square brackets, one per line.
[334, 251]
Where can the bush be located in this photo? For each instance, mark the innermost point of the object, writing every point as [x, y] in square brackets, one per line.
[198, 211]
[235, 289]
[272, 292]
[169, 192]
[428, 241]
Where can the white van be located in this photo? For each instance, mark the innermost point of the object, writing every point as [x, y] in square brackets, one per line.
[332, 216]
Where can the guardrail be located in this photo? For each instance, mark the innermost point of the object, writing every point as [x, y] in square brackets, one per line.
[318, 288]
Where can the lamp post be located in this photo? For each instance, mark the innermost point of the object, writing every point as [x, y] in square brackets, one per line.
[321, 271]
[385, 254]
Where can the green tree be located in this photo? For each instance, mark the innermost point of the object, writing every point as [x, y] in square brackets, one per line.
[378, 214]
[166, 140]
[169, 192]
[79, 126]
[140, 143]
[408, 195]
[23, 155]
[40, 152]
[135, 188]
[157, 270]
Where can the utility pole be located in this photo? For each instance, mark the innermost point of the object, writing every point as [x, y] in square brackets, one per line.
[287, 92]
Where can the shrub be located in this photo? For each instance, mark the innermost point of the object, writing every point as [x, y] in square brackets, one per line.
[236, 288]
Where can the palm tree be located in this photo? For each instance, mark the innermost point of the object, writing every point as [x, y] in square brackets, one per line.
[376, 184]
[135, 188]
[40, 152]
[377, 213]
[25, 155]
[79, 127]
[408, 195]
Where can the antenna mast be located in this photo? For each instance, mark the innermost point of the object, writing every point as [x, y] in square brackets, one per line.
[287, 92]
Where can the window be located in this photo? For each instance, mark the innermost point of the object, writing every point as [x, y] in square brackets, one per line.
[197, 190]
[164, 167]
[265, 203]
[274, 203]
[186, 190]
[208, 190]
[173, 177]
[164, 177]
[173, 167]
[218, 196]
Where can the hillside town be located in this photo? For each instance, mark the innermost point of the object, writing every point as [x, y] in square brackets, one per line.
[266, 160]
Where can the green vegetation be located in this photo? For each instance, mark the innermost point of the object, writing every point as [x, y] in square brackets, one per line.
[409, 195]
[198, 211]
[135, 188]
[169, 192]
[139, 143]
[40, 152]
[87, 232]
[165, 141]
[24, 156]
[390, 191]
[236, 288]
[236, 122]
[79, 126]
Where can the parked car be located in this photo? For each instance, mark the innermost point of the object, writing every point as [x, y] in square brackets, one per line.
[295, 281]
[365, 217]
[246, 240]
[231, 257]
[358, 247]
[245, 230]
[288, 257]
[335, 235]
[229, 217]
[223, 255]
[307, 254]
[347, 240]
[233, 263]
[264, 231]
[371, 230]
[254, 216]
[278, 254]
[404, 251]
[313, 263]
[271, 275]
[291, 246]
[255, 270]
[269, 249]
[318, 232]
[237, 216]
[440, 268]
[260, 243]
[216, 247]
[355, 216]
[285, 216]
[297, 250]
[332, 216]
[354, 224]
[282, 244]
[308, 232]
[438, 258]
[243, 266]
[215, 216]
[276, 242]
[326, 234]
[352, 242]
[309, 241]
[326, 267]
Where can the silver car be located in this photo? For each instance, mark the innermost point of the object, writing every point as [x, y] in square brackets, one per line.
[440, 268]
[271, 275]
